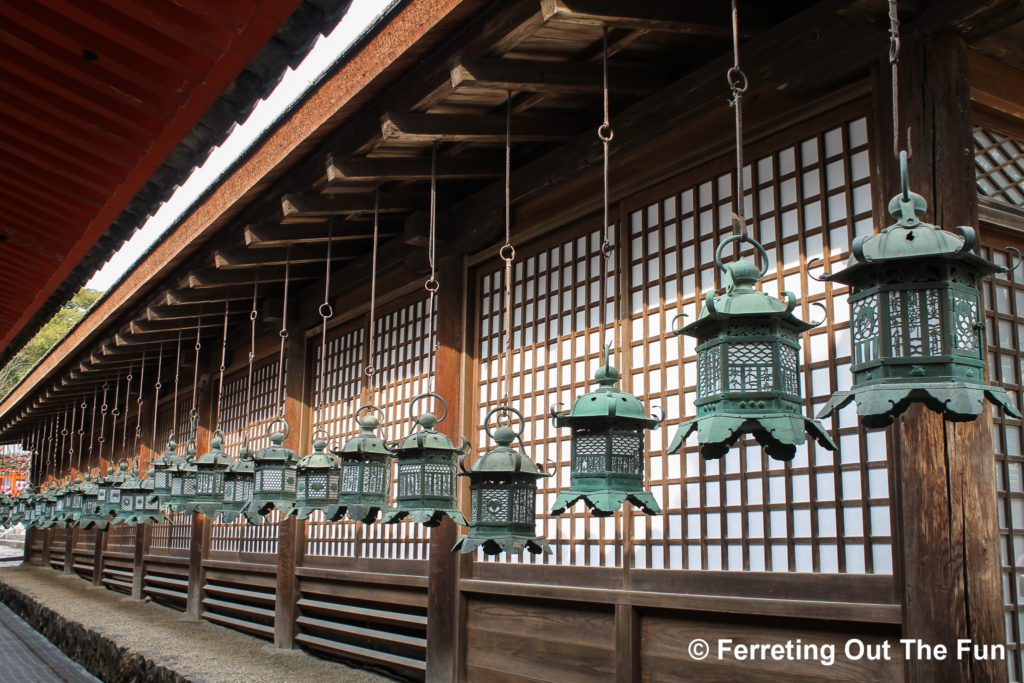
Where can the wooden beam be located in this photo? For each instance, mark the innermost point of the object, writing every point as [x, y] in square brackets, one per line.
[217, 279]
[163, 326]
[418, 127]
[275, 236]
[234, 259]
[698, 17]
[185, 295]
[296, 206]
[383, 169]
[553, 77]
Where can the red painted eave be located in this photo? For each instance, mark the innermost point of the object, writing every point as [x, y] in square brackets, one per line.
[80, 137]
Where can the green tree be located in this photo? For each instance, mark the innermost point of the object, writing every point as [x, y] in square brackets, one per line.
[45, 339]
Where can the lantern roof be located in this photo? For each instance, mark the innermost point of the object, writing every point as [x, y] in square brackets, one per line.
[215, 457]
[366, 443]
[504, 458]
[318, 459]
[276, 453]
[608, 401]
[911, 238]
[170, 459]
[130, 482]
[244, 464]
[89, 487]
[738, 297]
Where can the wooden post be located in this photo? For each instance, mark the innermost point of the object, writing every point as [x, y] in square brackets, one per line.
[199, 547]
[442, 587]
[70, 539]
[97, 557]
[142, 533]
[291, 539]
[47, 534]
[945, 511]
[30, 535]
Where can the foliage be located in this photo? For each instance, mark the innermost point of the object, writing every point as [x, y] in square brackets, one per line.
[45, 339]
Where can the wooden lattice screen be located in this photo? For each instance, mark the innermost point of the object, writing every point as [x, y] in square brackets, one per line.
[823, 512]
[999, 166]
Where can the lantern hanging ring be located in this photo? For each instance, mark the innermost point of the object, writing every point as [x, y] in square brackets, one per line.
[605, 132]
[326, 311]
[1014, 264]
[432, 285]
[824, 277]
[737, 80]
[507, 253]
[505, 420]
[677, 316]
[742, 238]
[369, 409]
[285, 429]
[429, 394]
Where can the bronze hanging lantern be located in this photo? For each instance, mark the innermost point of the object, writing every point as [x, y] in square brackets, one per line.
[135, 493]
[426, 472]
[90, 504]
[365, 467]
[607, 467]
[73, 502]
[239, 481]
[915, 313]
[748, 366]
[183, 480]
[47, 514]
[163, 468]
[317, 482]
[503, 495]
[275, 476]
[209, 473]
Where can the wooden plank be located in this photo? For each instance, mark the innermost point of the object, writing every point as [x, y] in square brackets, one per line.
[380, 593]
[240, 593]
[230, 259]
[490, 128]
[362, 653]
[186, 296]
[239, 623]
[217, 279]
[553, 77]
[376, 634]
[538, 658]
[996, 85]
[383, 169]
[363, 612]
[240, 607]
[627, 644]
[678, 16]
[336, 204]
[274, 236]
[167, 593]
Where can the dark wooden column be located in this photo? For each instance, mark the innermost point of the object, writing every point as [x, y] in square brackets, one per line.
[291, 538]
[142, 536]
[97, 557]
[442, 588]
[47, 534]
[30, 535]
[70, 539]
[199, 546]
[945, 472]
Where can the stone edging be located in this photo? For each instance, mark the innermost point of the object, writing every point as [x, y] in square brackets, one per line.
[100, 655]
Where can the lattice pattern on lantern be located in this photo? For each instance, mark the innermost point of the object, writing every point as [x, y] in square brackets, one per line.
[965, 312]
[823, 512]
[557, 347]
[494, 504]
[999, 166]
[628, 449]
[750, 366]
[1004, 318]
[788, 370]
[865, 329]
[709, 370]
[190, 485]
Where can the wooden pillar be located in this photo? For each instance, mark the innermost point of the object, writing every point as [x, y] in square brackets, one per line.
[947, 532]
[442, 587]
[30, 535]
[199, 547]
[97, 557]
[70, 539]
[291, 538]
[47, 535]
[142, 534]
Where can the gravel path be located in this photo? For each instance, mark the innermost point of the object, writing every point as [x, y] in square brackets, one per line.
[198, 650]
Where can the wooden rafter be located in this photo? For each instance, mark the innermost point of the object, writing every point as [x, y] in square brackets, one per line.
[276, 236]
[700, 17]
[417, 127]
[298, 206]
[553, 77]
[235, 259]
[382, 169]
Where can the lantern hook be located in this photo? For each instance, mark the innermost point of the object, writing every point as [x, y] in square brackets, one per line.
[677, 316]
[1016, 264]
[742, 238]
[444, 404]
[279, 421]
[824, 277]
[824, 310]
[791, 300]
[660, 417]
[557, 410]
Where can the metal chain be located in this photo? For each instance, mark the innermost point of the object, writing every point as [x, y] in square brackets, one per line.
[103, 422]
[253, 314]
[138, 408]
[174, 401]
[193, 413]
[124, 428]
[894, 60]
[326, 312]
[92, 422]
[508, 253]
[738, 85]
[605, 133]
[63, 440]
[283, 334]
[371, 370]
[156, 393]
[81, 434]
[432, 285]
[223, 358]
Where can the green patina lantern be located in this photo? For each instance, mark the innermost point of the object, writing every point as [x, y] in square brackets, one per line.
[316, 481]
[126, 491]
[5, 510]
[46, 511]
[503, 495]
[607, 448]
[210, 470]
[748, 366]
[183, 480]
[239, 482]
[915, 313]
[110, 490]
[163, 467]
[33, 509]
[135, 507]
[73, 502]
[90, 516]
[275, 475]
[365, 462]
[426, 472]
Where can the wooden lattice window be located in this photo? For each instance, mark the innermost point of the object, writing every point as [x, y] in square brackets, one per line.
[999, 166]
[239, 535]
[174, 534]
[1004, 308]
[121, 535]
[823, 512]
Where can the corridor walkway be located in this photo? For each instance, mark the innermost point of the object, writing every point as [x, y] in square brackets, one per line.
[28, 657]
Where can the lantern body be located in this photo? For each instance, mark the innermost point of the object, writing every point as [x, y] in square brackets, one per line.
[239, 482]
[503, 495]
[426, 474]
[316, 482]
[607, 466]
[748, 367]
[111, 486]
[90, 504]
[163, 473]
[365, 463]
[210, 470]
[915, 318]
[274, 481]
